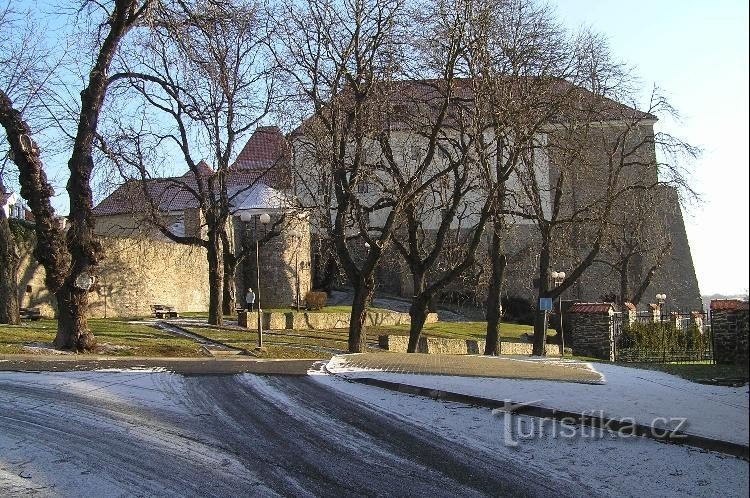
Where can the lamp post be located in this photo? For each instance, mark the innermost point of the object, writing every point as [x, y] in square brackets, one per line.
[660, 300]
[557, 279]
[297, 235]
[264, 219]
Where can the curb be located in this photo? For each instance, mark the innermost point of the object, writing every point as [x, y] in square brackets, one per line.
[658, 434]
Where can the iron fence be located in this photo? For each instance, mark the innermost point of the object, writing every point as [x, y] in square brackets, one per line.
[673, 337]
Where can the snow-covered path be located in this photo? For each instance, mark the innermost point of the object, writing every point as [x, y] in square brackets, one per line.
[161, 434]
[647, 396]
[158, 434]
[610, 465]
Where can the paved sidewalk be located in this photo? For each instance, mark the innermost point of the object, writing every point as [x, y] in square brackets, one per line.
[186, 366]
[467, 366]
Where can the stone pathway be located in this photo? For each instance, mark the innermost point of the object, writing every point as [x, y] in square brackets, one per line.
[400, 304]
[466, 366]
[213, 347]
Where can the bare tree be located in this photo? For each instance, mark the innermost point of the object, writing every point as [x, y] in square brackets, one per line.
[204, 68]
[71, 260]
[22, 54]
[368, 153]
[638, 244]
[600, 153]
[517, 60]
[9, 310]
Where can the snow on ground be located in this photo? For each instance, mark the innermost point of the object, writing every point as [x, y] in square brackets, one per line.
[136, 386]
[91, 433]
[612, 465]
[712, 411]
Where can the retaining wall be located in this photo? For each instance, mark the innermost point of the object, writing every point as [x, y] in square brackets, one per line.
[441, 345]
[307, 320]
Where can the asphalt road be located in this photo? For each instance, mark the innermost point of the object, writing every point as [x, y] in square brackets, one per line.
[225, 435]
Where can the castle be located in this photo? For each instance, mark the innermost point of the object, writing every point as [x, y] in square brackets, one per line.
[274, 174]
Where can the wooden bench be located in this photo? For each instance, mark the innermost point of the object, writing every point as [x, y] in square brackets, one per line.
[163, 311]
[30, 313]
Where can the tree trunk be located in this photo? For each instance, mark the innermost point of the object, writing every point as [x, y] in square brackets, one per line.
[540, 329]
[8, 274]
[540, 338]
[73, 333]
[228, 301]
[624, 284]
[417, 311]
[215, 279]
[498, 262]
[326, 280]
[357, 334]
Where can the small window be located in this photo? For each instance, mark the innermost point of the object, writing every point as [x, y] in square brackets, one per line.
[28, 289]
[363, 187]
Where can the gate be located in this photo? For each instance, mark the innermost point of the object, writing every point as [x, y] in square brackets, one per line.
[667, 338]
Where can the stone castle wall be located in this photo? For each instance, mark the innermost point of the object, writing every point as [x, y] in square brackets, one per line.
[134, 274]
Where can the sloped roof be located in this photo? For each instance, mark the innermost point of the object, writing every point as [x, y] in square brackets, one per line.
[581, 103]
[591, 308]
[203, 169]
[266, 148]
[263, 160]
[729, 305]
[259, 197]
[174, 194]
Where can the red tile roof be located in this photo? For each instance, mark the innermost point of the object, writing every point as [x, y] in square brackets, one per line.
[267, 148]
[630, 306]
[265, 159]
[729, 305]
[591, 308]
[203, 169]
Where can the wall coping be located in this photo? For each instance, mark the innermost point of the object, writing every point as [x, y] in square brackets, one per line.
[592, 308]
[729, 305]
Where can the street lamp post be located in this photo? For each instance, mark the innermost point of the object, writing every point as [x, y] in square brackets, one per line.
[557, 280]
[660, 300]
[264, 219]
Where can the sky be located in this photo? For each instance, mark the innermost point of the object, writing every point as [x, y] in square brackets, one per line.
[697, 52]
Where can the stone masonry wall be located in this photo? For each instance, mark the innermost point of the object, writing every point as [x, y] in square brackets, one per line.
[440, 345]
[134, 274]
[730, 329]
[590, 334]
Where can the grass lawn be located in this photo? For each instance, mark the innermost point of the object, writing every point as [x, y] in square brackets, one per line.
[281, 343]
[703, 373]
[324, 343]
[114, 337]
[510, 332]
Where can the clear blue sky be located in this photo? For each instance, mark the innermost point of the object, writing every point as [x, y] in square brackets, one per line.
[697, 51]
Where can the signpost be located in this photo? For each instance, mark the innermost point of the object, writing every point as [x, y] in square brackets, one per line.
[545, 304]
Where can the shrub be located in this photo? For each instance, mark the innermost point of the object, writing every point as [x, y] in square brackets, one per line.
[662, 336]
[518, 310]
[315, 300]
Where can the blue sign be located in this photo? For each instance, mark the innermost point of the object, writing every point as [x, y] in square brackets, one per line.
[545, 303]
